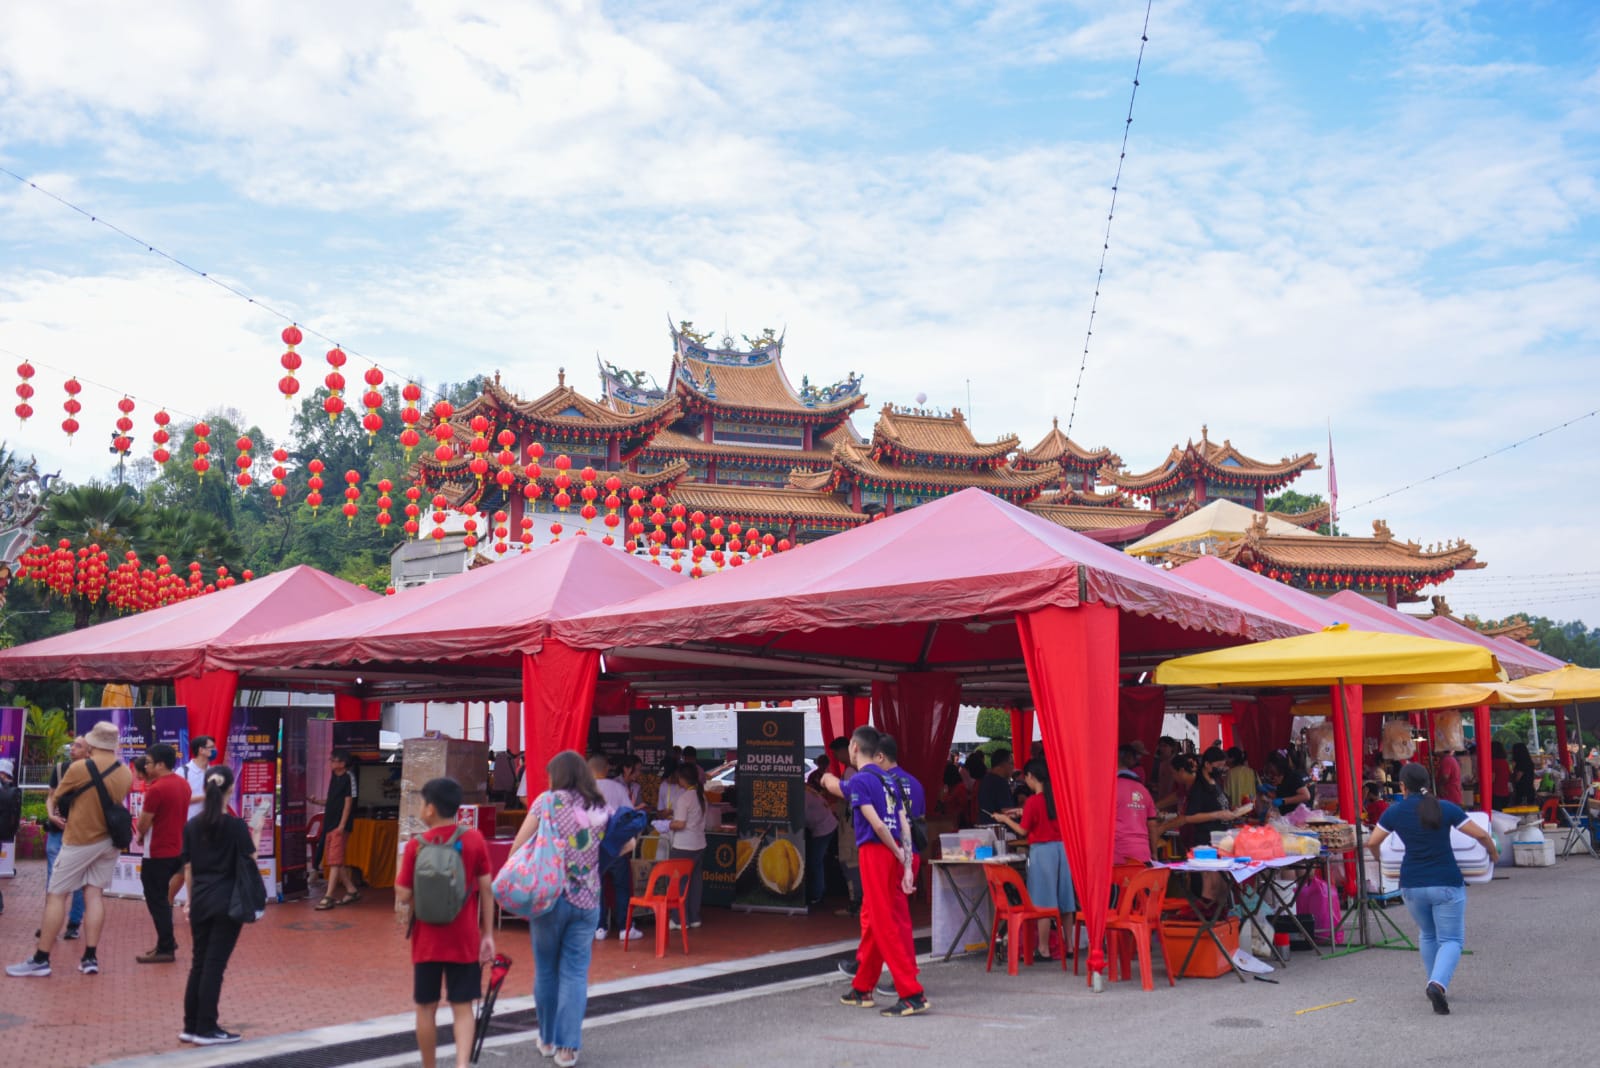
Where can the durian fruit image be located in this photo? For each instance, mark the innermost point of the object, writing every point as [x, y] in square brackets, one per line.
[745, 851]
[782, 868]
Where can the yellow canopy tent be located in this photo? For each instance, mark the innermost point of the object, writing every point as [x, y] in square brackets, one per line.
[1344, 660]
[1423, 696]
[1566, 684]
[1334, 656]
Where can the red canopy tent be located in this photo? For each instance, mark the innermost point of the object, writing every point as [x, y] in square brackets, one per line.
[479, 633]
[172, 642]
[964, 596]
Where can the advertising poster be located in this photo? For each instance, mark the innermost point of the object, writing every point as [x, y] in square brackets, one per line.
[134, 729]
[252, 753]
[11, 721]
[650, 739]
[293, 812]
[770, 853]
[719, 868]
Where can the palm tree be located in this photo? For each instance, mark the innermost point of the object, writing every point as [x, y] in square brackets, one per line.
[183, 535]
[109, 516]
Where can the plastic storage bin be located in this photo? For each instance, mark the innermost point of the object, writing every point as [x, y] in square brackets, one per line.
[1533, 854]
[1206, 962]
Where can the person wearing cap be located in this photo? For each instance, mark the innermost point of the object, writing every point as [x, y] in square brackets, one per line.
[56, 825]
[88, 858]
[10, 809]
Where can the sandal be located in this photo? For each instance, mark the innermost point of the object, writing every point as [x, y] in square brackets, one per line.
[349, 899]
[325, 905]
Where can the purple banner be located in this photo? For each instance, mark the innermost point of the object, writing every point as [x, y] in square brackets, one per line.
[11, 721]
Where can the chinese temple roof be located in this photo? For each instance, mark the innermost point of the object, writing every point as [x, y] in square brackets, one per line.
[460, 486]
[1109, 499]
[855, 463]
[1331, 563]
[1516, 628]
[563, 413]
[764, 506]
[674, 443]
[1057, 447]
[1213, 461]
[1085, 518]
[1310, 519]
[920, 437]
[750, 383]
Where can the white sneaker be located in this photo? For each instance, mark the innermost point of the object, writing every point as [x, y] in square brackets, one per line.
[29, 969]
[631, 934]
[600, 934]
[185, 1036]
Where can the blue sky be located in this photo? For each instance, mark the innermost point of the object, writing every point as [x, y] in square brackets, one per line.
[1382, 214]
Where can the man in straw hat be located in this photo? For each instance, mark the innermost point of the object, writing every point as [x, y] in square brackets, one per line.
[88, 858]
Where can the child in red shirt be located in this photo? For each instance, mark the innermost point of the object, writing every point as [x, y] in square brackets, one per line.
[451, 954]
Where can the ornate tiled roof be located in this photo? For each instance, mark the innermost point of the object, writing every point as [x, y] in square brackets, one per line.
[854, 463]
[921, 437]
[1220, 462]
[1084, 518]
[1109, 499]
[1310, 519]
[460, 486]
[1332, 563]
[765, 506]
[563, 407]
[674, 443]
[1057, 447]
[751, 383]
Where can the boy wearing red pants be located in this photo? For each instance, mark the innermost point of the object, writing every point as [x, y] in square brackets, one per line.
[883, 836]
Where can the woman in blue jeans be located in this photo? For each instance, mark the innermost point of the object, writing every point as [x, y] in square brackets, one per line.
[1430, 880]
[563, 937]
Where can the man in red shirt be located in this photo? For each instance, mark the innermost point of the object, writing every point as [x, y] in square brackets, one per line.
[161, 820]
[1447, 780]
[451, 953]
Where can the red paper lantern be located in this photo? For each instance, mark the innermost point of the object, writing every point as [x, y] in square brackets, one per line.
[410, 415]
[290, 361]
[24, 391]
[243, 462]
[71, 407]
[314, 483]
[202, 449]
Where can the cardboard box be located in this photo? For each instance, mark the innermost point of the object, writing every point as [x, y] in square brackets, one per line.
[431, 758]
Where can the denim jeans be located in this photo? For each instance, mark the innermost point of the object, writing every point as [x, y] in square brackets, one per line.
[52, 849]
[1441, 915]
[619, 878]
[563, 939]
[817, 847]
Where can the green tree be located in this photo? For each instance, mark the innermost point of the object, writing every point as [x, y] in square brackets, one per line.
[995, 725]
[109, 516]
[1291, 503]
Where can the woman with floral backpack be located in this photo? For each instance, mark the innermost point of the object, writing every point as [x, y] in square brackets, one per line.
[565, 824]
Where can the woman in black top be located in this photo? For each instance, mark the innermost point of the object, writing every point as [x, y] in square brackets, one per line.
[213, 842]
[1289, 786]
[1205, 809]
[1523, 777]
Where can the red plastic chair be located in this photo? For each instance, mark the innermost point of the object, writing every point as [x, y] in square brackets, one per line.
[1137, 920]
[1121, 874]
[666, 891]
[1016, 908]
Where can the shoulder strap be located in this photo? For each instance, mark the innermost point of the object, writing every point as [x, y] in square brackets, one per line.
[99, 781]
[455, 838]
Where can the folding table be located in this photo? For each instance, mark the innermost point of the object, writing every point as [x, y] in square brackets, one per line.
[1237, 876]
[961, 899]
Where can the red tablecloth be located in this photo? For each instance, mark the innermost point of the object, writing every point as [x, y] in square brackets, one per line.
[499, 852]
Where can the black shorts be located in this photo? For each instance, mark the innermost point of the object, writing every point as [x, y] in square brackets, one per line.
[462, 982]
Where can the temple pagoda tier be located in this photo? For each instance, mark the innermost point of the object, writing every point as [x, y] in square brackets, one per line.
[1080, 467]
[1516, 628]
[1381, 567]
[1205, 470]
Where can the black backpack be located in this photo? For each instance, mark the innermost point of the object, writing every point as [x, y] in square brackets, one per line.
[10, 811]
[119, 821]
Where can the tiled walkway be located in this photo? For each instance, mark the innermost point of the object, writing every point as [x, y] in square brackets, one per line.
[295, 969]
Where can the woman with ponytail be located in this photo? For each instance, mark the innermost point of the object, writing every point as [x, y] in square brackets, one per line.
[214, 841]
[1430, 880]
[689, 834]
[1049, 877]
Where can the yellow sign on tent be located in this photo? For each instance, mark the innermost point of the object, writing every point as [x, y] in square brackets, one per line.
[1333, 656]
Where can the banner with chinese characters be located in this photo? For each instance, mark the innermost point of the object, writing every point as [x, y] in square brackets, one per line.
[137, 730]
[650, 739]
[11, 721]
[770, 854]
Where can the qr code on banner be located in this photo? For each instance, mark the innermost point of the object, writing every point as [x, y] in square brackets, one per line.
[769, 800]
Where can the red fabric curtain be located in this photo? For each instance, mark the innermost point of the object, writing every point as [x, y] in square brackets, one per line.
[1140, 711]
[348, 708]
[558, 685]
[514, 726]
[1483, 735]
[840, 717]
[1247, 731]
[1071, 655]
[920, 708]
[1347, 715]
[1210, 731]
[209, 698]
[1021, 735]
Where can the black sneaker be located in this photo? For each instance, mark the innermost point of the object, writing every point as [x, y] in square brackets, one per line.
[219, 1037]
[912, 1006]
[855, 999]
[89, 966]
[72, 934]
[847, 968]
[1441, 1004]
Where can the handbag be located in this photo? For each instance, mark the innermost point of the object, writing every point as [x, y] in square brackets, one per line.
[535, 876]
[119, 821]
[248, 900]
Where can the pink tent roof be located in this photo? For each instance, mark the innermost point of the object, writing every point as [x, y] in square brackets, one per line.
[1517, 663]
[878, 592]
[1516, 650]
[503, 608]
[1352, 603]
[171, 642]
[1269, 595]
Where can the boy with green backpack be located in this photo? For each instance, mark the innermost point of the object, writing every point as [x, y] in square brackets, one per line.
[445, 901]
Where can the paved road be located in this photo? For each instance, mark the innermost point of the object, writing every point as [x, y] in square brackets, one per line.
[1528, 991]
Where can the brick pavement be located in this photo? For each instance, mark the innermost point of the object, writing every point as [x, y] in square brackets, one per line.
[293, 970]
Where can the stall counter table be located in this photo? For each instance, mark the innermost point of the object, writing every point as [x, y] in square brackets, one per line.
[960, 899]
[373, 847]
[1301, 868]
